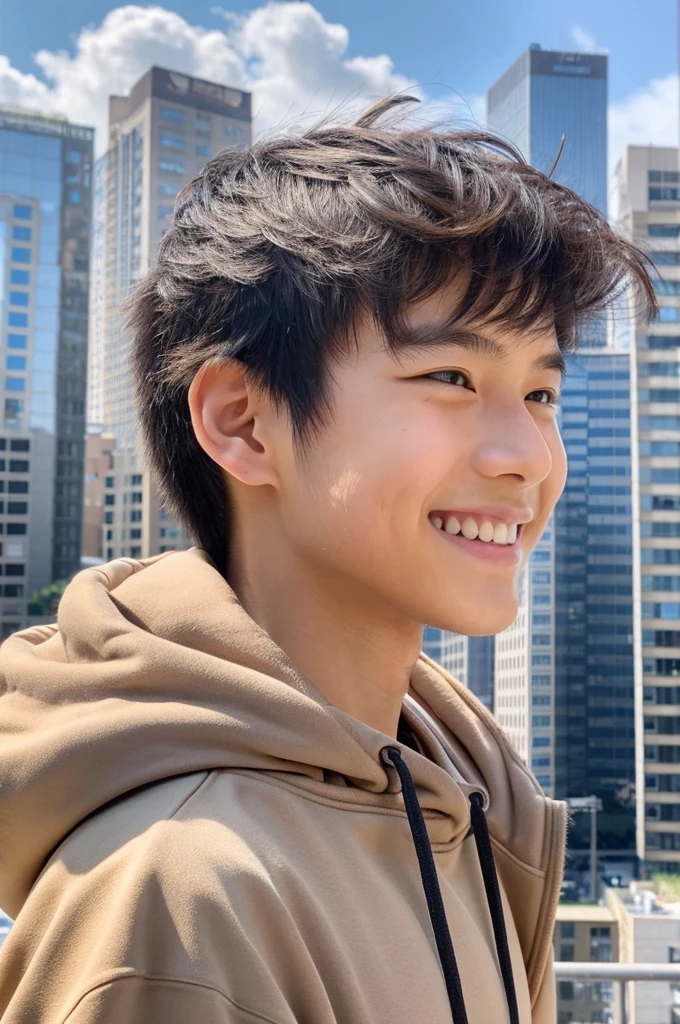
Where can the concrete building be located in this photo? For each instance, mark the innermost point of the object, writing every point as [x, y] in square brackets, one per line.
[45, 206]
[160, 136]
[648, 184]
[649, 933]
[584, 933]
[98, 466]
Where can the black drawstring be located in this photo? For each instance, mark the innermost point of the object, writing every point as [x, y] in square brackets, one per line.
[435, 903]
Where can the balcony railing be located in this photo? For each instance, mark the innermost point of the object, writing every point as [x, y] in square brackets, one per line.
[619, 974]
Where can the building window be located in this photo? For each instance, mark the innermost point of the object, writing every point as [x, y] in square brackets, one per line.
[20, 234]
[109, 499]
[16, 341]
[20, 255]
[17, 508]
[19, 444]
[75, 156]
[18, 465]
[171, 166]
[74, 196]
[203, 121]
[171, 142]
[15, 363]
[136, 534]
[136, 498]
[17, 486]
[668, 314]
[15, 568]
[136, 515]
[15, 383]
[203, 149]
[166, 188]
[171, 115]
[663, 230]
[663, 195]
[17, 319]
[22, 212]
[136, 480]
[108, 517]
[135, 551]
[540, 741]
[18, 298]
[19, 276]
[165, 210]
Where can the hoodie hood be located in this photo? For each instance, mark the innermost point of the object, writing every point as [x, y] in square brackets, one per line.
[153, 670]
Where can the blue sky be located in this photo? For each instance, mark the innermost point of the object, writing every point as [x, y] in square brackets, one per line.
[69, 56]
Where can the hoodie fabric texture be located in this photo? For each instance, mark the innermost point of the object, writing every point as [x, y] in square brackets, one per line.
[189, 831]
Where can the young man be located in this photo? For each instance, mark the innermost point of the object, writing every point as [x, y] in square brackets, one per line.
[231, 789]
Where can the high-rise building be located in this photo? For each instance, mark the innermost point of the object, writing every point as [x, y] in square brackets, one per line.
[160, 136]
[45, 206]
[648, 183]
[564, 669]
[548, 95]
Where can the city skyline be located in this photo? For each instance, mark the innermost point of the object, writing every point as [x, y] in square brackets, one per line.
[302, 60]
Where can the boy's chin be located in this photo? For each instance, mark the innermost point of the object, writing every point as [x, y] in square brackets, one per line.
[481, 622]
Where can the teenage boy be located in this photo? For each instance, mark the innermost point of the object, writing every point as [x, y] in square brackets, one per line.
[231, 788]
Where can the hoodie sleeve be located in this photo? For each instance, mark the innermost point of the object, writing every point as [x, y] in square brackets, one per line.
[138, 1000]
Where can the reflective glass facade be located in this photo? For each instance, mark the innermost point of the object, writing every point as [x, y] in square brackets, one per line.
[547, 94]
[594, 740]
[45, 168]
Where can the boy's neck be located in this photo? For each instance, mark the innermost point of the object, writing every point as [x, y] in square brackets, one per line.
[359, 655]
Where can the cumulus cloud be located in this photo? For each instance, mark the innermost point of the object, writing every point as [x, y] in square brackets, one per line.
[583, 39]
[649, 116]
[292, 59]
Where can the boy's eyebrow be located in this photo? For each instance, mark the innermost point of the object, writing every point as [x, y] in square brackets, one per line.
[429, 335]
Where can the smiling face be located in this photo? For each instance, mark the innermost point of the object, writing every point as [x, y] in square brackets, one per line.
[452, 434]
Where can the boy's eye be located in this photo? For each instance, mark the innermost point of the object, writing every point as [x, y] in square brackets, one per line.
[446, 377]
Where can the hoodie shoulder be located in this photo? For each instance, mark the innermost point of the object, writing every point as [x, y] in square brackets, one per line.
[142, 897]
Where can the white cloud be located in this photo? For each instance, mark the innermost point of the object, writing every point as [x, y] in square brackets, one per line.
[584, 40]
[649, 116]
[292, 59]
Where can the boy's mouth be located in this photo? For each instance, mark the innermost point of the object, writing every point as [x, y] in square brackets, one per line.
[487, 530]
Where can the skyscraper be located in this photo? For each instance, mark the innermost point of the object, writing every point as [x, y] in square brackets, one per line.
[648, 184]
[564, 669]
[45, 205]
[548, 94]
[160, 136]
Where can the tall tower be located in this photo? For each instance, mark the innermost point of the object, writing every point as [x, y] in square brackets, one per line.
[648, 184]
[160, 136]
[45, 206]
[565, 667]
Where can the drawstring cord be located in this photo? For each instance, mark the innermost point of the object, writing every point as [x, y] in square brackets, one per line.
[435, 903]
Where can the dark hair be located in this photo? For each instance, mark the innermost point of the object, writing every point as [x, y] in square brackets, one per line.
[274, 251]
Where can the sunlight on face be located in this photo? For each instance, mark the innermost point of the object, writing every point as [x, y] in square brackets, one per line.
[444, 428]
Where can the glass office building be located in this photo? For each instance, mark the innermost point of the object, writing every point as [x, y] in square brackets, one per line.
[45, 206]
[547, 95]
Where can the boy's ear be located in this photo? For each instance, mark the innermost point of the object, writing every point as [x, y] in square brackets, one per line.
[229, 418]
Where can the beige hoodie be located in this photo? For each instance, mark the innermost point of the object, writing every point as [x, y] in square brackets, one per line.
[190, 832]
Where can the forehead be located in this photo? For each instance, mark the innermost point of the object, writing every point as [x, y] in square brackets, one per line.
[434, 323]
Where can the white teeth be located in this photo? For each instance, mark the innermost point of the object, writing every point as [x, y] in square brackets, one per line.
[470, 529]
[487, 532]
[500, 533]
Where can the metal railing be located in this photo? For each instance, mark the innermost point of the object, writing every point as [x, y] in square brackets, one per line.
[619, 974]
